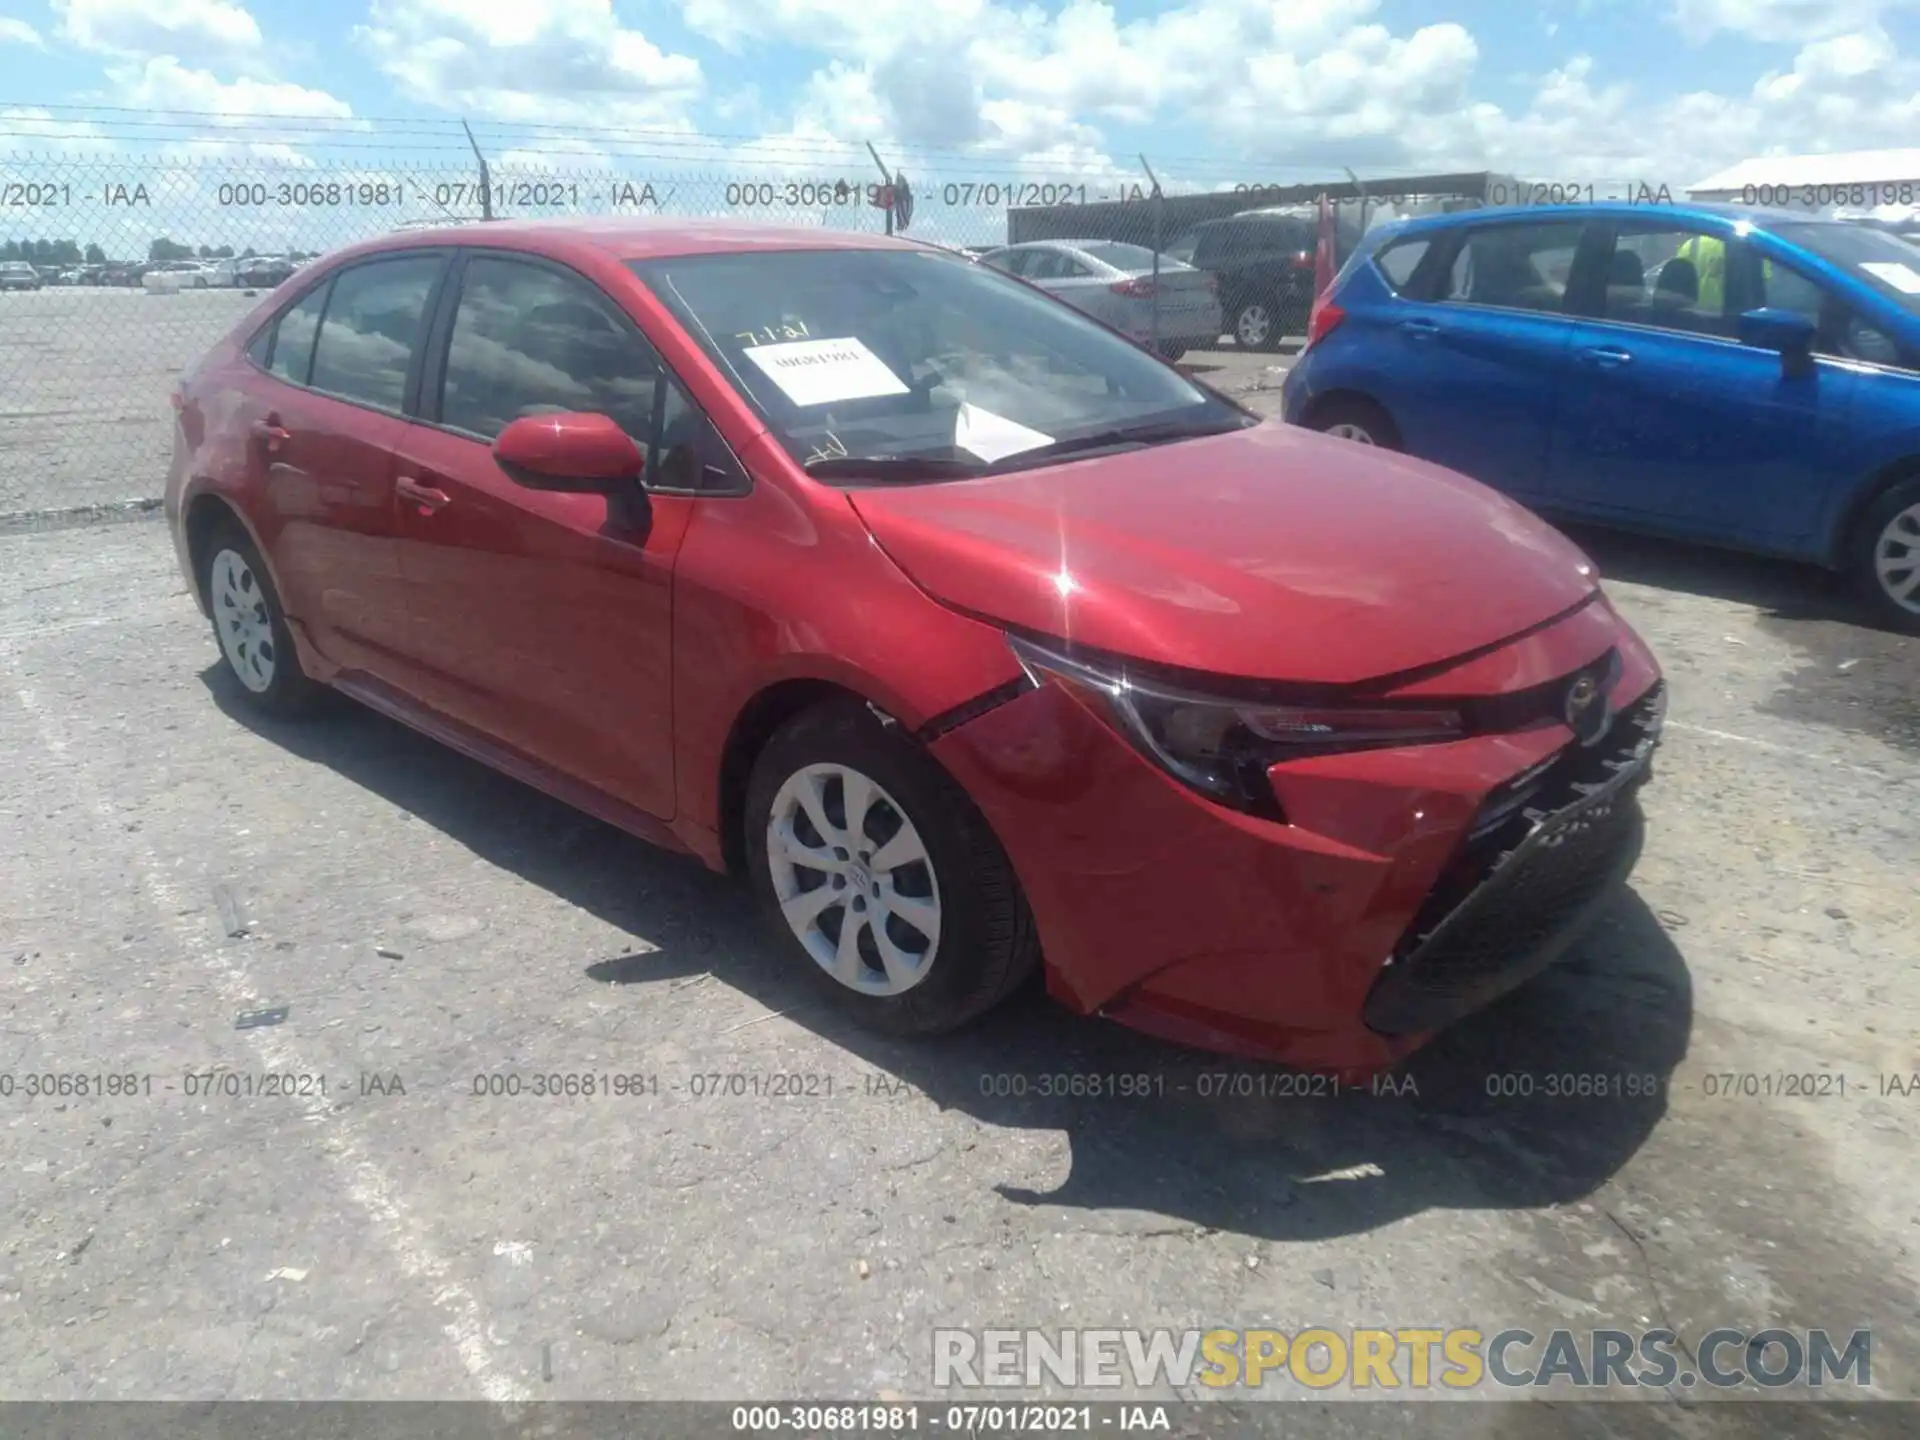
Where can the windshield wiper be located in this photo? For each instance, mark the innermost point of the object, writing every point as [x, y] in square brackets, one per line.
[1127, 435]
[891, 467]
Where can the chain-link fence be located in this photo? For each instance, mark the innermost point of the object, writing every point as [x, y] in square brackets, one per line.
[117, 271]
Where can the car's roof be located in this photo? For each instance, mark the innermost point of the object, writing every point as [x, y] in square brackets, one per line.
[1690, 210]
[639, 238]
[1059, 244]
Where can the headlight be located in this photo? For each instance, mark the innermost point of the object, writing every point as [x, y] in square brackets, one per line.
[1223, 747]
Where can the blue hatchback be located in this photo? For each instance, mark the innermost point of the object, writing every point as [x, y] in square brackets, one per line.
[1742, 377]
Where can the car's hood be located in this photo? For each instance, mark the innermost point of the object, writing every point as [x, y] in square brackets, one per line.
[1272, 553]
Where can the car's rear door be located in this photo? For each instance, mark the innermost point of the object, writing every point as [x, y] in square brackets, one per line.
[1473, 363]
[1671, 422]
[545, 619]
[338, 371]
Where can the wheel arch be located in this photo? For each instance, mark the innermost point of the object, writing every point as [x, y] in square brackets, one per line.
[778, 702]
[1845, 530]
[206, 515]
[757, 722]
[1344, 395]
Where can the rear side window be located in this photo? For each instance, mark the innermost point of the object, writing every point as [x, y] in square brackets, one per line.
[1398, 260]
[373, 324]
[1056, 265]
[290, 341]
[1515, 267]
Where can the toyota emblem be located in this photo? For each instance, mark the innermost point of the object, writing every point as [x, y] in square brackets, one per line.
[1586, 711]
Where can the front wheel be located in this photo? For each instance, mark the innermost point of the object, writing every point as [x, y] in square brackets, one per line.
[884, 880]
[1170, 352]
[1886, 557]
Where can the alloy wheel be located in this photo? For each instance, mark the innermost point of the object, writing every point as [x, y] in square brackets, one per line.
[1896, 559]
[1347, 430]
[246, 628]
[1252, 326]
[853, 879]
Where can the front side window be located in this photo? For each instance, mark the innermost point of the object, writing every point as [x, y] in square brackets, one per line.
[291, 339]
[1011, 261]
[374, 321]
[1838, 330]
[1515, 267]
[863, 355]
[1674, 277]
[528, 340]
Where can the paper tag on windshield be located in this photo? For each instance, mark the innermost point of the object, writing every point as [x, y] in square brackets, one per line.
[819, 372]
[1903, 278]
[993, 437]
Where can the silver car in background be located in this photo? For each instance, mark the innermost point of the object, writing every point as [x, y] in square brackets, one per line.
[1114, 282]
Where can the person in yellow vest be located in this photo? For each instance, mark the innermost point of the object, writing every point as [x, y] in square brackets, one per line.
[1708, 256]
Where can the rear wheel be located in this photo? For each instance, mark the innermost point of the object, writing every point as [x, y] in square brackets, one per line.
[1256, 325]
[1170, 352]
[251, 628]
[885, 881]
[1886, 557]
[1357, 419]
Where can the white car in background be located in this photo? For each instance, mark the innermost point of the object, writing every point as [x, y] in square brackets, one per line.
[1114, 283]
[190, 274]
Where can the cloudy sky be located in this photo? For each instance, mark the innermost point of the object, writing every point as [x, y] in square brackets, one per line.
[1620, 90]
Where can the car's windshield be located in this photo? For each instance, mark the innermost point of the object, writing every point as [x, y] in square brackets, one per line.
[1888, 263]
[893, 355]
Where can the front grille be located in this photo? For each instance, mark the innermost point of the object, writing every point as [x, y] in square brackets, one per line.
[1548, 849]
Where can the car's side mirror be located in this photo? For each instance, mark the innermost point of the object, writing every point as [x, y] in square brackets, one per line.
[570, 453]
[1787, 332]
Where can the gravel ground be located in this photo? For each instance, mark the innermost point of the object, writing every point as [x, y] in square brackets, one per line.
[84, 374]
[425, 922]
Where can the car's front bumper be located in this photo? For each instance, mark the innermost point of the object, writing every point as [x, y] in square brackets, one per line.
[1339, 940]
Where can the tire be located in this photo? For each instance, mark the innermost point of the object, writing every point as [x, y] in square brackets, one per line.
[1170, 353]
[984, 944]
[258, 651]
[1356, 419]
[1885, 560]
[1257, 325]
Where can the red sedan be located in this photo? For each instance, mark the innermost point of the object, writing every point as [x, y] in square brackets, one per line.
[976, 637]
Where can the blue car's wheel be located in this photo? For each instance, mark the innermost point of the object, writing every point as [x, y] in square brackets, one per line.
[1886, 558]
[1355, 418]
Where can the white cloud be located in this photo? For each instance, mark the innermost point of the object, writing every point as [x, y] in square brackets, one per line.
[158, 27]
[529, 60]
[19, 32]
[1786, 22]
[164, 83]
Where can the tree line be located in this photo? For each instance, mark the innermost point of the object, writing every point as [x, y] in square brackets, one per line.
[71, 252]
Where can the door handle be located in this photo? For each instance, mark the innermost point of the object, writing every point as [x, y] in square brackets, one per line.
[1607, 357]
[271, 433]
[425, 496]
[1419, 329]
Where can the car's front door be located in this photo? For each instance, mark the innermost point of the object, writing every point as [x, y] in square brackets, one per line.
[1672, 422]
[546, 619]
[321, 434]
[1478, 360]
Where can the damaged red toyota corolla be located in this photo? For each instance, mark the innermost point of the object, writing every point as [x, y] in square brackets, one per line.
[977, 638]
